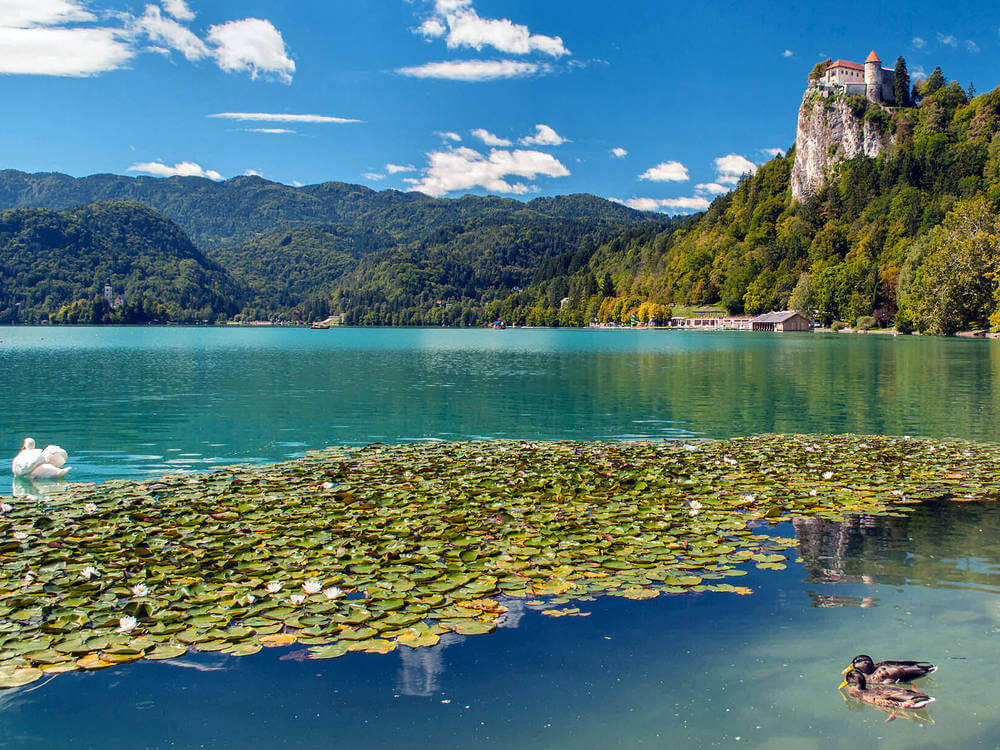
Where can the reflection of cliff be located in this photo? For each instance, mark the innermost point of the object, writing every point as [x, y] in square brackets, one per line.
[945, 543]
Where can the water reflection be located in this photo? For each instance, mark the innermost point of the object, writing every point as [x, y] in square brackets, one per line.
[944, 544]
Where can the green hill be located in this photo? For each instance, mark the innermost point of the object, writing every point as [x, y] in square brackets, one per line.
[910, 237]
[56, 263]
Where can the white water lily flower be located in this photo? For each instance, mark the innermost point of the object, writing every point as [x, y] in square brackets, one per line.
[730, 461]
[407, 475]
[89, 508]
[749, 498]
[312, 587]
[693, 512]
[274, 587]
[327, 485]
[127, 624]
[897, 493]
[813, 493]
[89, 572]
[20, 536]
[140, 590]
[5, 508]
[29, 578]
[695, 505]
[827, 475]
[296, 599]
[332, 593]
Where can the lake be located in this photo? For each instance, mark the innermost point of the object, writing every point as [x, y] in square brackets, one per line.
[693, 670]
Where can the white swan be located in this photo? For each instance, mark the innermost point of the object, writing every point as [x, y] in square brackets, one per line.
[39, 464]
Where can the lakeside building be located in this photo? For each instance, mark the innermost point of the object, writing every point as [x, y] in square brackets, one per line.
[777, 322]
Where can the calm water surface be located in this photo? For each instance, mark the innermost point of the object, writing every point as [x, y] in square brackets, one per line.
[678, 671]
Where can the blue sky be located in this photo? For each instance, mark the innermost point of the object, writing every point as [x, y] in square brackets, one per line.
[659, 104]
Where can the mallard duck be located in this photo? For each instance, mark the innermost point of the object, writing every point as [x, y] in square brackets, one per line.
[883, 696]
[889, 671]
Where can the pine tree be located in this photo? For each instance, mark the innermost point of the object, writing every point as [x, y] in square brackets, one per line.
[971, 91]
[934, 81]
[901, 83]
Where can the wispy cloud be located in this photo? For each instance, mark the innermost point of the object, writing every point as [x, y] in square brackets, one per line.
[619, 153]
[373, 176]
[772, 152]
[181, 169]
[971, 46]
[668, 171]
[489, 138]
[919, 42]
[463, 168]
[472, 71]
[787, 53]
[731, 168]
[397, 168]
[44, 37]
[461, 26]
[948, 39]
[712, 188]
[269, 131]
[282, 117]
[543, 136]
[675, 205]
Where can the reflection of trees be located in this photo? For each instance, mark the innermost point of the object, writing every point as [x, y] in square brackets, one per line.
[942, 543]
[422, 666]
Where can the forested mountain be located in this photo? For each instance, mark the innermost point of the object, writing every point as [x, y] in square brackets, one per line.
[910, 237]
[219, 214]
[57, 263]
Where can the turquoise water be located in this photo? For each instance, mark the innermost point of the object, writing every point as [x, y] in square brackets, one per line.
[712, 670]
[142, 401]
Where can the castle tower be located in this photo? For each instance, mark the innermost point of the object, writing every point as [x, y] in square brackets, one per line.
[873, 78]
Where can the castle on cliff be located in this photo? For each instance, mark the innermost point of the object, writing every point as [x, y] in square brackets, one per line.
[870, 80]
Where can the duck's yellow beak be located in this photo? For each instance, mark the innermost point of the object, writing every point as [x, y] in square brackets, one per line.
[843, 684]
[847, 669]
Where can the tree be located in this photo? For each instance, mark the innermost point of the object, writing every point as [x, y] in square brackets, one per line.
[901, 83]
[934, 81]
[801, 299]
[950, 282]
[971, 91]
[819, 69]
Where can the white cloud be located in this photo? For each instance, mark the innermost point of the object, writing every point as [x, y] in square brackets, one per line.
[971, 46]
[161, 29]
[619, 153]
[678, 205]
[474, 70]
[178, 9]
[712, 188]
[463, 168]
[731, 167]
[281, 117]
[269, 131]
[544, 136]
[919, 42]
[488, 138]
[252, 45]
[668, 171]
[181, 169]
[917, 72]
[948, 39]
[465, 28]
[787, 53]
[373, 176]
[23, 14]
[252, 173]
[296, 183]
[397, 168]
[772, 152]
[62, 51]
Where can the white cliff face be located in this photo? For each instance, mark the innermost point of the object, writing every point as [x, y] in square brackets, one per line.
[829, 132]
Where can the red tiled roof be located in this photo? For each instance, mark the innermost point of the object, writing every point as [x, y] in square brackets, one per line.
[872, 57]
[845, 64]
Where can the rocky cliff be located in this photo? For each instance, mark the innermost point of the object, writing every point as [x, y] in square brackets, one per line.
[833, 127]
